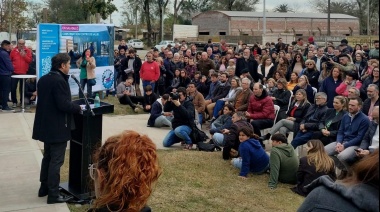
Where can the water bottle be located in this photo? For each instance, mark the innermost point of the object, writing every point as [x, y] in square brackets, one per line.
[97, 101]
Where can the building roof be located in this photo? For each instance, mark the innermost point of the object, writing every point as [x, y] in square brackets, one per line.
[250, 14]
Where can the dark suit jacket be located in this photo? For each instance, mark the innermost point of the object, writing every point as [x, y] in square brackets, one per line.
[52, 122]
[221, 91]
[314, 116]
[367, 140]
[367, 105]
[251, 64]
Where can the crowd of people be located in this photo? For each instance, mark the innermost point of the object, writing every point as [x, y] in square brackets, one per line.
[327, 96]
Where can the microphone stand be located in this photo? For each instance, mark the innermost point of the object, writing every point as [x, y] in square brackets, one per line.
[84, 96]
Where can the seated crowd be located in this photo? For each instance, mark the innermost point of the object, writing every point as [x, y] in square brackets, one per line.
[327, 97]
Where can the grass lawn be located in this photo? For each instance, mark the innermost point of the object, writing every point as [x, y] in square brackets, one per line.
[201, 181]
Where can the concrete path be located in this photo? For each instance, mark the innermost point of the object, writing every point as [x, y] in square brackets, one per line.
[20, 157]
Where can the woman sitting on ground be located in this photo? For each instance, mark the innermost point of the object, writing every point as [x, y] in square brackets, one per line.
[223, 121]
[124, 171]
[330, 126]
[253, 157]
[315, 164]
[296, 113]
[359, 192]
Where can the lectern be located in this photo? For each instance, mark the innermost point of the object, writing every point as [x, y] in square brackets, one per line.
[85, 138]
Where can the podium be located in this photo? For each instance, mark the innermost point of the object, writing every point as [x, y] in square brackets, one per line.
[85, 138]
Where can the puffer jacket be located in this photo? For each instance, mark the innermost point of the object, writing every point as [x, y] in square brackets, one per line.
[261, 107]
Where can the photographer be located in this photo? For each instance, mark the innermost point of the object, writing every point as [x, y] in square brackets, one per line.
[183, 112]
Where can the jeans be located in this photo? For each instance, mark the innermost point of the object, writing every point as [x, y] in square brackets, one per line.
[237, 163]
[345, 158]
[260, 124]
[219, 139]
[54, 156]
[14, 82]
[180, 133]
[162, 121]
[145, 83]
[115, 79]
[218, 106]
[5, 88]
[200, 117]
[301, 138]
[284, 126]
[83, 83]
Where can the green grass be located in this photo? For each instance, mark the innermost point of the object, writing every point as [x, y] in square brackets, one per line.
[201, 181]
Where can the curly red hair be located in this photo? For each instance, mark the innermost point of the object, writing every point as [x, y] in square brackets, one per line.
[128, 163]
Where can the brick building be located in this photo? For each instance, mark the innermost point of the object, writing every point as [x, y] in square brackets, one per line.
[250, 23]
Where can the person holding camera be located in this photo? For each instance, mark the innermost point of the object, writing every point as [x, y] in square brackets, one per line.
[183, 111]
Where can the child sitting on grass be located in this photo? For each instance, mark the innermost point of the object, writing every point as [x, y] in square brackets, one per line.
[253, 157]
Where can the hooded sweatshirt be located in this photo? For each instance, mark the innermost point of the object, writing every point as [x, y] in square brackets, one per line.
[331, 196]
[254, 158]
[283, 165]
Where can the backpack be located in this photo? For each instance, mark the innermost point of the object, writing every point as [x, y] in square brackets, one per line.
[197, 135]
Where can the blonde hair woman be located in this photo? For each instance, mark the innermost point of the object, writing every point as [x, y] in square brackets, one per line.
[315, 164]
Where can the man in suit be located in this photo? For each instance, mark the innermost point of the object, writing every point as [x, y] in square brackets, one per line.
[52, 125]
[247, 62]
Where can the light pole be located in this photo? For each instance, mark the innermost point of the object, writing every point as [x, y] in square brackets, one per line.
[328, 18]
[264, 22]
[10, 20]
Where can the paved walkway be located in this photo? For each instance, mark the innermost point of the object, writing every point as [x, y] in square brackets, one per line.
[20, 158]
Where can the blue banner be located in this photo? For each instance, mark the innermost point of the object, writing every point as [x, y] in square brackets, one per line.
[74, 39]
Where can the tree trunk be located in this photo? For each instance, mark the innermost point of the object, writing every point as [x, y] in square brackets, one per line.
[161, 17]
[148, 24]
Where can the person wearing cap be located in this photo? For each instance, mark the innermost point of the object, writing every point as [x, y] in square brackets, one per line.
[6, 69]
[345, 63]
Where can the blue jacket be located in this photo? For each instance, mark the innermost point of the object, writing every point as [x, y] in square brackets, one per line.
[352, 133]
[328, 87]
[155, 112]
[6, 67]
[254, 158]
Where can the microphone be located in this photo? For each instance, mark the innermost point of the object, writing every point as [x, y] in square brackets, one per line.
[75, 79]
[84, 96]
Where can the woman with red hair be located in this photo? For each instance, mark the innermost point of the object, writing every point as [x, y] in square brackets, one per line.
[124, 171]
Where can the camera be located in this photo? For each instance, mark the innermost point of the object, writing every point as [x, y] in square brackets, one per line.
[174, 95]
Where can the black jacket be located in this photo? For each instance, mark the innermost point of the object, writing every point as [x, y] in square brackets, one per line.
[232, 139]
[299, 114]
[270, 73]
[367, 140]
[183, 115]
[30, 87]
[367, 105]
[221, 91]
[335, 122]
[136, 68]
[150, 99]
[250, 64]
[52, 122]
[282, 98]
[312, 76]
[314, 116]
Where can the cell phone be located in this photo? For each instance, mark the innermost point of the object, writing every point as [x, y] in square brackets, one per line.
[357, 150]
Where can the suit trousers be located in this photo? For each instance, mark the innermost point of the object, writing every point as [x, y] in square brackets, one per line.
[54, 156]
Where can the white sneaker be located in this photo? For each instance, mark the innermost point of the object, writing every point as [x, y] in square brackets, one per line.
[14, 105]
[136, 109]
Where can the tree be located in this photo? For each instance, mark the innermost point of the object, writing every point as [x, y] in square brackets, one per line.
[357, 8]
[16, 8]
[234, 5]
[283, 8]
[76, 12]
[34, 14]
